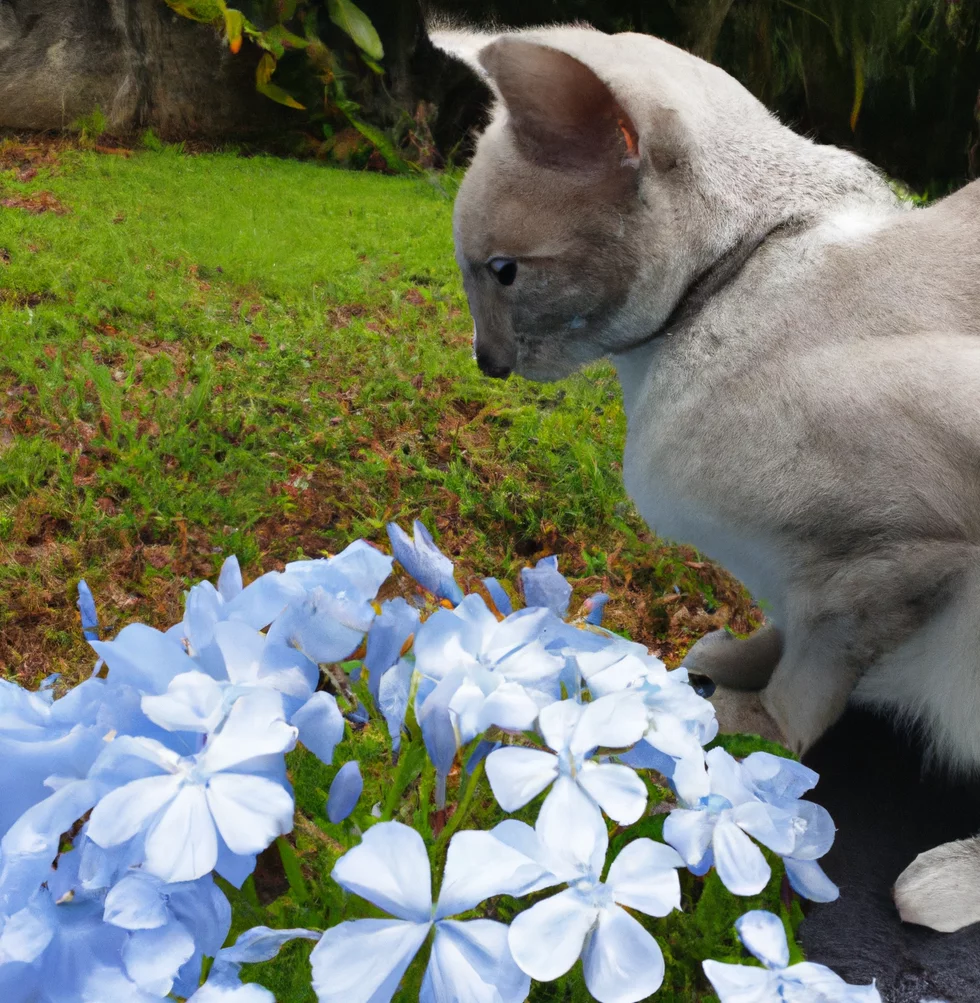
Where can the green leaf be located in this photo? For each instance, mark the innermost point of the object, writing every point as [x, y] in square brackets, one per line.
[277, 39]
[354, 22]
[234, 25]
[294, 873]
[383, 145]
[263, 74]
[198, 10]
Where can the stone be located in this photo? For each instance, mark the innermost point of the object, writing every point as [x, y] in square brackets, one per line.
[139, 62]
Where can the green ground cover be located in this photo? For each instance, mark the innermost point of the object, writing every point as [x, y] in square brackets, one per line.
[206, 355]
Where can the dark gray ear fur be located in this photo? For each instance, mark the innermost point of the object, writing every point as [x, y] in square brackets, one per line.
[561, 113]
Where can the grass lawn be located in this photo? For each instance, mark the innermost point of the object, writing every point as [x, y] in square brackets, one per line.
[206, 355]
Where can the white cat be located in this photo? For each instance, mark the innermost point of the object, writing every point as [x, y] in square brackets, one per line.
[799, 354]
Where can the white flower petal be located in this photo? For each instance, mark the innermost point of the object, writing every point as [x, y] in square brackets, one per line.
[345, 791]
[520, 836]
[776, 777]
[320, 724]
[481, 624]
[764, 936]
[530, 665]
[214, 991]
[471, 963]
[739, 862]
[181, 845]
[390, 868]
[465, 706]
[143, 657]
[619, 791]
[547, 939]
[153, 957]
[260, 602]
[727, 778]
[558, 721]
[517, 775]
[26, 934]
[135, 903]
[125, 811]
[771, 826]
[193, 702]
[572, 832]
[241, 649]
[807, 878]
[689, 832]
[815, 830]
[644, 877]
[819, 983]
[249, 811]
[444, 642]
[363, 960]
[261, 943]
[622, 963]
[479, 865]
[255, 727]
[741, 984]
[615, 721]
[230, 578]
[510, 707]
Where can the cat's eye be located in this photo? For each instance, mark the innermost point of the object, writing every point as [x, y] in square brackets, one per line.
[505, 270]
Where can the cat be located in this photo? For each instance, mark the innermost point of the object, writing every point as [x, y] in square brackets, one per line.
[799, 354]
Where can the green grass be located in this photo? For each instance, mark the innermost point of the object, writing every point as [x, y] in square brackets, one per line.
[211, 355]
[206, 355]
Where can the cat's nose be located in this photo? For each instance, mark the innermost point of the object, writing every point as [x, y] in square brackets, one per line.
[490, 367]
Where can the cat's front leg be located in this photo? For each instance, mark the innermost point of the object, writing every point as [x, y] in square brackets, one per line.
[738, 663]
[940, 889]
[740, 712]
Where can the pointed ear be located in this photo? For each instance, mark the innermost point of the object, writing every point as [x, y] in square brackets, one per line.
[462, 44]
[562, 114]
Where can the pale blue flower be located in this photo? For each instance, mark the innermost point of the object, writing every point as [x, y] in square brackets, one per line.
[345, 791]
[423, 560]
[544, 585]
[232, 791]
[621, 961]
[498, 596]
[594, 607]
[261, 943]
[391, 629]
[484, 671]
[573, 731]
[779, 982]
[393, 695]
[87, 612]
[722, 822]
[363, 961]
[246, 661]
[45, 742]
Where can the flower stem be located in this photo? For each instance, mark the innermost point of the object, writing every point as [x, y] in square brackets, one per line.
[462, 809]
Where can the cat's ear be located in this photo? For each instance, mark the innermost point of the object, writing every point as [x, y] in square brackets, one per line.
[463, 44]
[561, 113]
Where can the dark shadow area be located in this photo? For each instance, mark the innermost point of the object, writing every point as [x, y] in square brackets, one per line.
[887, 812]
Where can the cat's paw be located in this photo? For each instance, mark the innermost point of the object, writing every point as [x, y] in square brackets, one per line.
[740, 712]
[940, 889]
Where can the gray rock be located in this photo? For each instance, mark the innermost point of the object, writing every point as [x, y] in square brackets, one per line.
[143, 65]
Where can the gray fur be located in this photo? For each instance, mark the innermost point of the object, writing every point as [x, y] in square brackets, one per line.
[799, 353]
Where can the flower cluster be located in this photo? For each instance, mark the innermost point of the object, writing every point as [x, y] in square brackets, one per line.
[127, 796]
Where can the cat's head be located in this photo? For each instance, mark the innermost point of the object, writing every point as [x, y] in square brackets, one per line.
[585, 212]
